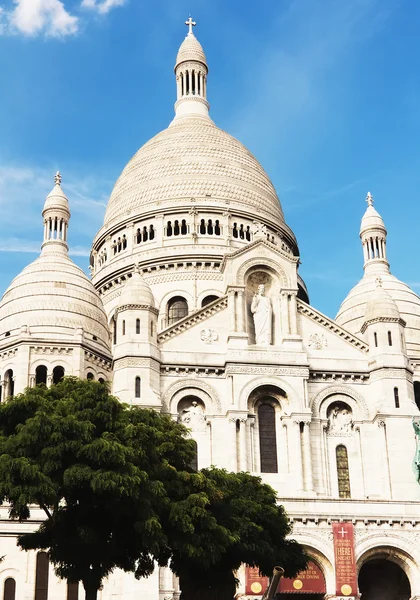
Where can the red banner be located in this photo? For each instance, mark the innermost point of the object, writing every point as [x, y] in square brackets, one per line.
[345, 562]
[255, 583]
[310, 581]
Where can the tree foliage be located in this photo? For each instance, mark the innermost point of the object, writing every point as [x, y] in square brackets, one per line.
[118, 492]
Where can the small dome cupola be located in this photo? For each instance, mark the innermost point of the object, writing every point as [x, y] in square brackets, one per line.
[191, 72]
[373, 235]
[56, 215]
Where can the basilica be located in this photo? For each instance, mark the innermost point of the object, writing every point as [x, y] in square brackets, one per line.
[195, 307]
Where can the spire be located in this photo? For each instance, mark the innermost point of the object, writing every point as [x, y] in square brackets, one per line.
[56, 214]
[191, 72]
[373, 235]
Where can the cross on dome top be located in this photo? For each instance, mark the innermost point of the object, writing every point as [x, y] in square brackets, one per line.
[369, 199]
[190, 24]
[58, 178]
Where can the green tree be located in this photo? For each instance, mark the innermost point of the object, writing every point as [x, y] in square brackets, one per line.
[229, 519]
[102, 473]
[118, 492]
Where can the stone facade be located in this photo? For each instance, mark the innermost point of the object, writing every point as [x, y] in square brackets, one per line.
[321, 409]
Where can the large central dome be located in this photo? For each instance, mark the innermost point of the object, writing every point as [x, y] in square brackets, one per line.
[193, 159]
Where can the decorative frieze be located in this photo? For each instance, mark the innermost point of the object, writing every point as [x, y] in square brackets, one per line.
[263, 370]
[175, 371]
[134, 361]
[100, 361]
[339, 377]
[52, 350]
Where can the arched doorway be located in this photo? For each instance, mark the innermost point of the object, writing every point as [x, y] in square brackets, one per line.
[381, 579]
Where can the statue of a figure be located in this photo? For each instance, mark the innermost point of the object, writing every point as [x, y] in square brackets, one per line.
[340, 420]
[193, 416]
[261, 309]
[416, 461]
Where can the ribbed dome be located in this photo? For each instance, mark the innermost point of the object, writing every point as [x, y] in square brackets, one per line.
[193, 159]
[54, 298]
[191, 50]
[352, 313]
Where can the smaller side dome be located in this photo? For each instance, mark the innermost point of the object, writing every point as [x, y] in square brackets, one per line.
[136, 291]
[381, 305]
[57, 199]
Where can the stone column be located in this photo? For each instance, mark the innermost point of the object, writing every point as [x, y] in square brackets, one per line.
[241, 314]
[386, 470]
[250, 433]
[285, 313]
[242, 444]
[234, 444]
[293, 314]
[166, 583]
[309, 487]
[298, 456]
[231, 310]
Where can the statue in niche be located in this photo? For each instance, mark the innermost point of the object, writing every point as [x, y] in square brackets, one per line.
[261, 310]
[416, 460]
[192, 416]
[340, 419]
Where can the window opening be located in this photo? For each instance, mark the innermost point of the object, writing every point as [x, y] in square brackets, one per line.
[41, 577]
[268, 441]
[41, 375]
[58, 375]
[343, 474]
[389, 338]
[396, 398]
[177, 309]
[137, 326]
[138, 387]
[375, 337]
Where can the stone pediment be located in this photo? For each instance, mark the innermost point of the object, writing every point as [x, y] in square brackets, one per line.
[263, 244]
[318, 339]
[193, 319]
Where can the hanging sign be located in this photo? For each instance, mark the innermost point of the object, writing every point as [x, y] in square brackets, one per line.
[345, 562]
[310, 581]
[256, 584]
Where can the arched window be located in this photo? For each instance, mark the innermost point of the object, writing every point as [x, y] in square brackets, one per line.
[169, 229]
[268, 441]
[184, 228]
[396, 398]
[9, 589]
[389, 338]
[208, 300]
[137, 326]
[138, 387]
[417, 393]
[176, 227]
[194, 462]
[41, 578]
[72, 591]
[90, 376]
[123, 327]
[375, 337]
[152, 329]
[151, 232]
[114, 329]
[41, 375]
[217, 229]
[9, 384]
[101, 380]
[202, 226]
[343, 472]
[58, 375]
[177, 309]
[235, 232]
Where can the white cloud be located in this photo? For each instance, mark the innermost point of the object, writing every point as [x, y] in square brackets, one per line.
[33, 17]
[102, 6]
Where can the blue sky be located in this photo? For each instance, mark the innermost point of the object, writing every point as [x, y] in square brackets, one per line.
[325, 93]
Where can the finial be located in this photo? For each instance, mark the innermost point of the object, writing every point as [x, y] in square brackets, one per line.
[57, 178]
[190, 24]
[378, 280]
[369, 199]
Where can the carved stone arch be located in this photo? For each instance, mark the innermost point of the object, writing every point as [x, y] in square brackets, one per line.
[182, 292]
[355, 400]
[320, 551]
[191, 387]
[262, 262]
[209, 292]
[259, 382]
[392, 548]
[59, 362]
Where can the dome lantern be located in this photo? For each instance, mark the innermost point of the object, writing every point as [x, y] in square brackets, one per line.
[56, 215]
[373, 235]
[191, 72]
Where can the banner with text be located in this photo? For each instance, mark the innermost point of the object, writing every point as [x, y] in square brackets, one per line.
[306, 582]
[345, 562]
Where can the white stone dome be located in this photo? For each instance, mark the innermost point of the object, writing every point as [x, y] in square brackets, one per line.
[381, 305]
[137, 292]
[193, 159]
[54, 298]
[353, 311]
